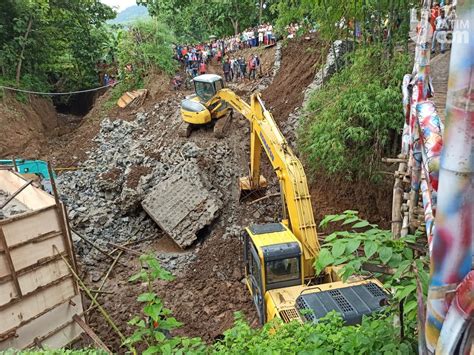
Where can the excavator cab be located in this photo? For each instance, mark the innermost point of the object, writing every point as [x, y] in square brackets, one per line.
[204, 107]
[272, 257]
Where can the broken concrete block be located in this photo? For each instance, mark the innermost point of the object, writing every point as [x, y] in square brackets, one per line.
[182, 208]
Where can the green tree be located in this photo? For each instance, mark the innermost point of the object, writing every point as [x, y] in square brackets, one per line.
[52, 42]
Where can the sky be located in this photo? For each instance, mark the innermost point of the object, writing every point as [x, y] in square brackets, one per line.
[120, 5]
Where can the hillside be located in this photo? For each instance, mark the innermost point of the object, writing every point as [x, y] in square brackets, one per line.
[130, 14]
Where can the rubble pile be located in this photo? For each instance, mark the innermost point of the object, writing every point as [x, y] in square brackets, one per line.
[104, 196]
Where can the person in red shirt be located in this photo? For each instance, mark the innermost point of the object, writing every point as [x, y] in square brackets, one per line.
[435, 12]
[202, 68]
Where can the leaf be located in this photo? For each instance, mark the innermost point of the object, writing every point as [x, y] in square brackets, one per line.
[340, 260]
[370, 248]
[350, 220]
[352, 245]
[326, 220]
[325, 258]
[330, 237]
[361, 224]
[408, 253]
[404, 266]
[405, 291]
[350, 212]
[141, 275]
[146, 297]
[338, 248]
[410, 306]
[153, 311]
[338, 218]
[385, 254]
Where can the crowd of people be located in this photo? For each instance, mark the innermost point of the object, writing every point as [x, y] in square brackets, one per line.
[196, 58]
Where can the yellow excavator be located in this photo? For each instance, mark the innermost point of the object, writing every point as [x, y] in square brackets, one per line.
[279, 257]
[203, 108]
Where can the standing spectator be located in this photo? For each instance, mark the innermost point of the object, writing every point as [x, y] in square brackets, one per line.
[260, 36]
[195, 68]
[243, 67]
[252, 67]
[227, 68]
[258, 67]
[202, 68]
[236, 69]
[439, 35]
[435, 12]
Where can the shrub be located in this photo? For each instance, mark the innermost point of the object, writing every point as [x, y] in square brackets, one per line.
[356, 117]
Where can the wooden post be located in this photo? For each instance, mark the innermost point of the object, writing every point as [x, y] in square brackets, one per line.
[91, 333]
[10, 263]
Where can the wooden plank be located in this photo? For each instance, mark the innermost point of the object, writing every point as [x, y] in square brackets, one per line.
[4, 271]
[63, 337]
[7, 292]
[30, 254]
[34, 279]
[91, 333]
[20, 216]
[31, 197]
[47, 328]
[30, 227]
[11, 266]
[30, 307]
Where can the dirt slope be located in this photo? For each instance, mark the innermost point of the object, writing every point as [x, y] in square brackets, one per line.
[300, 61]
[26, 127]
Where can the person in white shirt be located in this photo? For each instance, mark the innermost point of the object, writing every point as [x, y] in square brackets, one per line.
[440, 33]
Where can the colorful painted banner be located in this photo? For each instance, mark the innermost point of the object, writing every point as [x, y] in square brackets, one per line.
[452, 246]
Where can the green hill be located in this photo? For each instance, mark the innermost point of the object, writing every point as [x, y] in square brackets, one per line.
[130, 14]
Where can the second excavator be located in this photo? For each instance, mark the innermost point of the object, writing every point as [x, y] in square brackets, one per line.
[279, 257]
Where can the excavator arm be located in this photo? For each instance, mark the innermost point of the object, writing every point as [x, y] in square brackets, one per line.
[293, 184]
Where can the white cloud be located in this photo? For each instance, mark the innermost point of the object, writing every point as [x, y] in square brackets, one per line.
[119, 5]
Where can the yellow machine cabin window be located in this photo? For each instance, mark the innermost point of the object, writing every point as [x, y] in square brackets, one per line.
[205, 91]
[283, 270]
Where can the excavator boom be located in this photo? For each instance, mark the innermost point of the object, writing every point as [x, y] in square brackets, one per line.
[294, 187]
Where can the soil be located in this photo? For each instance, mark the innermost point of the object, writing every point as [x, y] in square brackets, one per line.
[25, 126]
[134, 176]
[300, 61]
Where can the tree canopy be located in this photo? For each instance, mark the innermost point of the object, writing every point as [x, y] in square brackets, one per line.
[52, 43]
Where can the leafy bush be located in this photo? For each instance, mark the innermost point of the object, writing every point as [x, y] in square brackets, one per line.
[376, 335]
[147, 46]
[355, 119]
[369, 250]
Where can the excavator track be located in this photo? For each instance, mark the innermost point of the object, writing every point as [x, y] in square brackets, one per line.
[222, 125]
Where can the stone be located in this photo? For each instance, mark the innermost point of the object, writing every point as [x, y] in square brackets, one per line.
[181, 208]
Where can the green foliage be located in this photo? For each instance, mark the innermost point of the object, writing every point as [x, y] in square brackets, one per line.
[376, 335]
[154, 326]
[147, 45]
[196, 20]
[354, 119]
[57, 42]
[367, 250]
[374, 16]
[55, 352]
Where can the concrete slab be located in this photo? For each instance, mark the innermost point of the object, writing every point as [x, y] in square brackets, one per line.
[182, 208]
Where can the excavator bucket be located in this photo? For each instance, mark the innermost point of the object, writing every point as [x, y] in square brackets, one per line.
[249, 189]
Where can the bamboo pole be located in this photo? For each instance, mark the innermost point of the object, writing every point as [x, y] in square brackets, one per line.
[89, 294]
